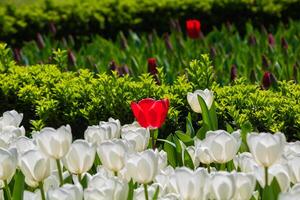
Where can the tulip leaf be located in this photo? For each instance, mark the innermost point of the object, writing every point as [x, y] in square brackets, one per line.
[205, 113]
[271, 191]
[171, 152]
[229, 128]
[155, 196]
[188, 161]
[178, 151]
[213, 116]
[184, 138]
[18, 186]
[131, 190]
[189, 126]
[202, 131]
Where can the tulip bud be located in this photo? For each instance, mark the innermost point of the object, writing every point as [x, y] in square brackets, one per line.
[149, 160]
[266, 82]
[52, 28]
[193, 28]
[80, 157]
[284, 43]
[265, 62]
[252, 40]
[113, 66]
[55, 143]
[207, 96]
[40, 41]
[233, 72]
[168, 43]
[271, 145]
[152, 66]
[35, 166]
[17, 55]
[271, 40]
[71, 58]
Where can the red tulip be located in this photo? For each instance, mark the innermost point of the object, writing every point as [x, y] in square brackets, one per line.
[267, 80]
[193, 28]
[152, 66]
[150, 113]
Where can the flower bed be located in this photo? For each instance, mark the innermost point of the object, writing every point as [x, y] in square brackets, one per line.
[131, 161]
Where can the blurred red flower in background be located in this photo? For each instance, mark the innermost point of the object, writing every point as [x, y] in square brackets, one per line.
[150, 113]
[193, 28]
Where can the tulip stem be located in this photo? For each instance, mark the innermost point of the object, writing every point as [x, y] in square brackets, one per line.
[61, 180]
[152, 138]
[79, 178]
[208, 168]
[41, 186]
[223, 166]
[116, 173]
[266, 176]
[8, 193]
[146, 191]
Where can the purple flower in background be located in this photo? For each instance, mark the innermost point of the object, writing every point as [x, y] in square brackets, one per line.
[233, 72]
[17, 55]
[71, 58]
[284, 43]
[40, 41]
[271, 40]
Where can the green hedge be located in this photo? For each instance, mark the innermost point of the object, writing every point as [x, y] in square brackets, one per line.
[50, 97]
[23, 19]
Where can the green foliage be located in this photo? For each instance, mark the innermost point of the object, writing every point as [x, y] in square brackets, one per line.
[50, 97]
[5, 57]
[60, 57]
[250, 52]
[22, 19]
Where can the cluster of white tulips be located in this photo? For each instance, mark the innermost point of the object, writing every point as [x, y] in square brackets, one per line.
[113, 162]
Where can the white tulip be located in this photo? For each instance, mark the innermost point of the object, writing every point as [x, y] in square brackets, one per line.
[294, 168]
[66, 192]
[289, 196]
[11, 118]
[163, 178]
[35, 166]
[192, 152]
[162, 159]
[142, 167]
[23, 144]
[55, 143]
[9, 134]
[27, 195]
[266, 148]
[245, 185]
[112, 154]
[222, 146]
[138, 136]
[202, 151]
[1, 195]
[222, 186]
[103, 132]
[130, 127]
[245, 162]
[207, 96]
[190, 184]
[292, 149]
[8, 163]
[110, 188]
[80, 157]
[170, 196]
[281, 173]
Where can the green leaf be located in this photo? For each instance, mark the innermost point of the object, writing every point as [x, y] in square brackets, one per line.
[213, 116]
[155, 196]
[189, 126]
[184, 138]
[205, 113]
[171, 152]
[202, 131]
[18, 186]
[131, 190]
[179, 154]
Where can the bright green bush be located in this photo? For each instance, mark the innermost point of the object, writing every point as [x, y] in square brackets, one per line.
[50, 97]
[22, 19]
